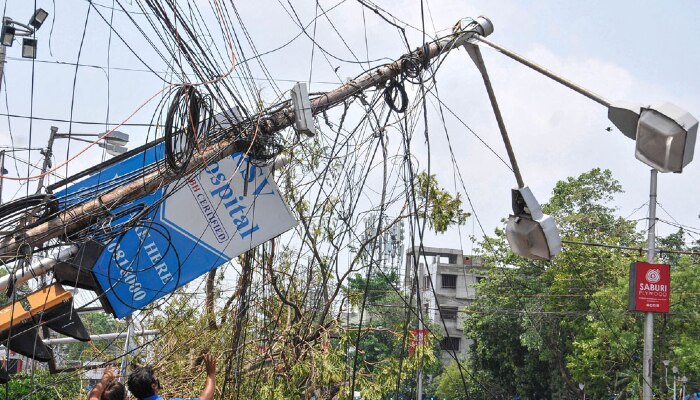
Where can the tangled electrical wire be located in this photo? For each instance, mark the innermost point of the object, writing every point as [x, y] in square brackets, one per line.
[19, 215]
[193, 117]
[187, 126]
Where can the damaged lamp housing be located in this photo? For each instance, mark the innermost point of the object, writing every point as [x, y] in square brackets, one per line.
[531, 234]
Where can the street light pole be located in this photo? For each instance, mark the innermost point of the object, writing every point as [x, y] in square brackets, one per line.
[675, 372]
[674, 387]
[419, 335]
[127, 345]
[648, 316]
[684, 379]
[2, 156]
[47, 158]
[2, 63]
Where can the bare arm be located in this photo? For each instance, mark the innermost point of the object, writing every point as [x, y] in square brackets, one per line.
[108, 376]
[210, 385]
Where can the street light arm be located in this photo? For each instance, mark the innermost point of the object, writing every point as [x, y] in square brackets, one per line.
[26, 29]
[544, 71]
[114, 138]
[475, 54]
[65, 136]
[72, 135]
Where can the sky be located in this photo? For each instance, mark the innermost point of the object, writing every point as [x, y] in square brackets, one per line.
[641, 51]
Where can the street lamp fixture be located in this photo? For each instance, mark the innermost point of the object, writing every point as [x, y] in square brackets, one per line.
[113, 149]
[666, 364]
[683, 380]
[38, 18]
[666, 137]
[531, 233]
[112, 143]
[665, 134]
[8, 35]
[118, 138]
[12, 28]
[28, 48]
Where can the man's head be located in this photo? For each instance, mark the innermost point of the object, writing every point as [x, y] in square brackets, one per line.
[114, 391]
[143, 383]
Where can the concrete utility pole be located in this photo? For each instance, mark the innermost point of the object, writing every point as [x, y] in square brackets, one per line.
[2, 157]
[47, 153]
[75, 218]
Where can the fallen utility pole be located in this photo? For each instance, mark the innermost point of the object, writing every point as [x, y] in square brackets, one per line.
[37, 268]
[79, 216]
[104, 336]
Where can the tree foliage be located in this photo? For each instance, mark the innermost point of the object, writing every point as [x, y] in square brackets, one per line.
[442, 209]
[41, 385]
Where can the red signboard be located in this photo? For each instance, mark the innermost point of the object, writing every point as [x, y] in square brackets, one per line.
[650, 287]
[417, 338]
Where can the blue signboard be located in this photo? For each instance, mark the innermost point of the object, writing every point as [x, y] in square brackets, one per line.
[184, 229]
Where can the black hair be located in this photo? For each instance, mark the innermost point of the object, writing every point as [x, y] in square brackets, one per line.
[140, 381]
[114, 391]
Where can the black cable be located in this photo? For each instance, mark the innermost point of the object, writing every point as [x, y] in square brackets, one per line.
[75, 81]
[128, 46]
[393, 91]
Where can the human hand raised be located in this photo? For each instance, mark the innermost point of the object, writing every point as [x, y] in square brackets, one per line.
[209, 364]
[110, 374]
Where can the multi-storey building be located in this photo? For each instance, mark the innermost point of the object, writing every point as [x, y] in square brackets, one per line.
[446, 280]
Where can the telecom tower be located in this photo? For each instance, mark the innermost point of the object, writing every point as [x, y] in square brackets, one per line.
[388, 247]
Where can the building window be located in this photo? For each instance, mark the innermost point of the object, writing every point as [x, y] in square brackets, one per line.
[448, 313]
[450, 344]
[449, 281]
[479, 279]
[426, 283]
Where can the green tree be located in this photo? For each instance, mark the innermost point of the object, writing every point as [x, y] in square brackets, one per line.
[449, 384]
[382, 346]
[42, 386]
[441, 208]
